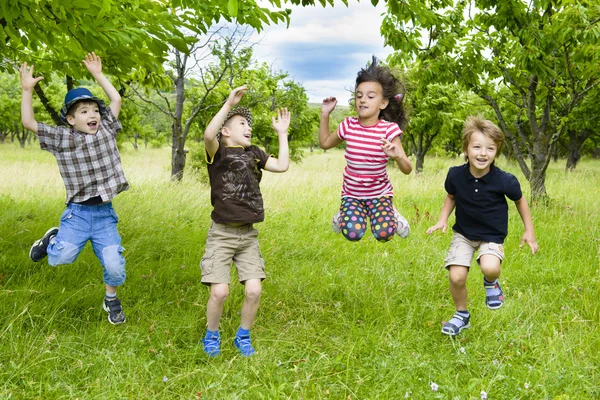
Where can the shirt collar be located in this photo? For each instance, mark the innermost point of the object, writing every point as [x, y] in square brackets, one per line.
[484, 178]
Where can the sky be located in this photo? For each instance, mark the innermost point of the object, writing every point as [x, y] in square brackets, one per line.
[324, 48]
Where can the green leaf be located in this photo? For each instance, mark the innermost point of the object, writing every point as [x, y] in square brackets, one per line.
[232, 7]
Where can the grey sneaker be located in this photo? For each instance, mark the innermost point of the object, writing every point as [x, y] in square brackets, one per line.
[37, 252]
[335, 222]
[403, 229]
[112, 305]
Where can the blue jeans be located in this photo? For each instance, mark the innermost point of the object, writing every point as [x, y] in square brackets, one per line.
[98, 224]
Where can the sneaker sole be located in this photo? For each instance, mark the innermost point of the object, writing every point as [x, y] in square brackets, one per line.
[108, 311]
[494, 307]
[37, 242]
[459, 330]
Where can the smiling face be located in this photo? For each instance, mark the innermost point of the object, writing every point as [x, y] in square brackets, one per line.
[369, 102]
[237, 132]
[85, 117]
[481, 152]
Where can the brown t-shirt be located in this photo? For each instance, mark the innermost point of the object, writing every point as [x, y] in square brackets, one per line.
[235, 174]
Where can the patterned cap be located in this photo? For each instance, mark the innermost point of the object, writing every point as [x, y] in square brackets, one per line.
[243, 111]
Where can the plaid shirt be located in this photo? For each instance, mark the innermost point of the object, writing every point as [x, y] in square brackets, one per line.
[90, 165]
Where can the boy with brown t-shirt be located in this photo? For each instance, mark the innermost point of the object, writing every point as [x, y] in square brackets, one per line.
[235, 169]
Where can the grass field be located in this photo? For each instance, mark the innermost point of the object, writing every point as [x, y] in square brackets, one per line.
[338, 320]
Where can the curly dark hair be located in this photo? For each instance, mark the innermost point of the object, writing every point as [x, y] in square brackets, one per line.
[393, 90]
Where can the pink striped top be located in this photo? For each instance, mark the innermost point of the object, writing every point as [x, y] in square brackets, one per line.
[365, 175]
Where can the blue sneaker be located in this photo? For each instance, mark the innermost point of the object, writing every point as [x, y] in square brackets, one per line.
[212, 344]
[244, 346]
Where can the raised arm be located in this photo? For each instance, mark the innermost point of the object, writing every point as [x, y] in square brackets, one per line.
[28, 82]
[281, 125]
[447, 209]
[528, 235]
[327, 140]
[211, 144]
[93, 64]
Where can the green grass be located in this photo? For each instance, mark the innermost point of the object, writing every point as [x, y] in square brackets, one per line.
[337, 319]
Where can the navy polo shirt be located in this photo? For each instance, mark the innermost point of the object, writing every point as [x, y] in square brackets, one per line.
[481, 207]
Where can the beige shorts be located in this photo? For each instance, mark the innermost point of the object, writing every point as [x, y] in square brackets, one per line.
[226, 244]
[462, 250]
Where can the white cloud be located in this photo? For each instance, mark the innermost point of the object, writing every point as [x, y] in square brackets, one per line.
[324, 48]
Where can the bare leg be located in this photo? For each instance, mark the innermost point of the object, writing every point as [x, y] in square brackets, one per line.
[214, 308]
[458, 287]
[253, 290]
[111, 289]
[490, 267]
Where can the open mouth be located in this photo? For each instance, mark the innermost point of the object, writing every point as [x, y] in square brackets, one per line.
[92, 125]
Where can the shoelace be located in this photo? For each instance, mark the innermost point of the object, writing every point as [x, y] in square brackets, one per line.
[244, 342]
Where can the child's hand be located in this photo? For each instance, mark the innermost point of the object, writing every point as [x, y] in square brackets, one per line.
[282, 123]
[28, 82]
[529, 238]
[390, 149]
[328, 105]
[440, 225]
[93, 63]
[236, 95]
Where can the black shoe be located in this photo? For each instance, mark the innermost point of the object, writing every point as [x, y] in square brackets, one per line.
[112, 305]
[38, 249]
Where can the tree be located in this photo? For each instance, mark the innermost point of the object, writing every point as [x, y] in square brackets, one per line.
[435, 113]
[210, 60]
[132, 37]
[544, 52]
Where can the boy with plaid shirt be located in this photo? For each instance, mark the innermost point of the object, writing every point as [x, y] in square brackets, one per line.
[90, 165]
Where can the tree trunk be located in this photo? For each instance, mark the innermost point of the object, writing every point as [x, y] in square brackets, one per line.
[178, 149]
[135, 141]
[576, 141]
[22, 137]
[420, 161]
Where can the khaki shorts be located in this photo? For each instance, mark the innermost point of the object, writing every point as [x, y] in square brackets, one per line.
[462, 250]
[226, 244]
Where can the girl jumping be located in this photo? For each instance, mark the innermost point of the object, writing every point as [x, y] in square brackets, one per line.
[372, 139]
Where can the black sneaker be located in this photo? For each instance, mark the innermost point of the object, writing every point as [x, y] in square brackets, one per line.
[38, 249]
[112, 305]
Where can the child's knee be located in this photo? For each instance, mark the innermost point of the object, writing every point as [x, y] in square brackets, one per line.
[490, 264]
[253, 291]
[458, 275]
[353, 235]
[114, 265]
[219, 292]
[62, 253]
[383, 236]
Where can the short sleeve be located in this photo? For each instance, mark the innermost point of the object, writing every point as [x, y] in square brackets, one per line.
[512, 187]
[449, 184]
[343, 129]
[112, 123]
[393, 131]
[49, 136]
[260, 156]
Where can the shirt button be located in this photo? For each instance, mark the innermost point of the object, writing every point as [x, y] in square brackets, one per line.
[476, 180]
[477, 190]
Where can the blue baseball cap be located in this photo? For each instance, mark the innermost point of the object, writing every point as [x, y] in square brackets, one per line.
[79, 94]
